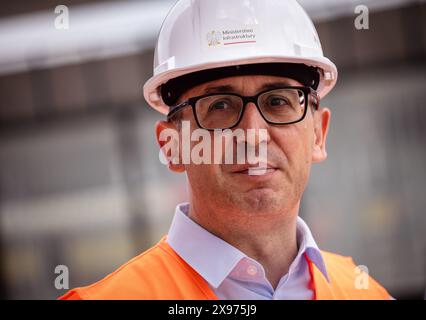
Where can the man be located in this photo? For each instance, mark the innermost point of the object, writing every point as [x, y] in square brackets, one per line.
[240, 65]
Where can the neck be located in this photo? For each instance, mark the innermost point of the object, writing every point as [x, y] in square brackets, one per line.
[270, 239]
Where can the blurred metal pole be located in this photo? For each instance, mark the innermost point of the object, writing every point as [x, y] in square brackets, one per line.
[42, 93]
[132, 173]
[3, 292]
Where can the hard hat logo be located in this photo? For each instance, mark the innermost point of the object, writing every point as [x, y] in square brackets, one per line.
[214, 38]
[239, 36]
[231, 37]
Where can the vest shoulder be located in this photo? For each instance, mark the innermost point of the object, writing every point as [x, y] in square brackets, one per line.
[337, 259]
[353, 280]
[135, 279]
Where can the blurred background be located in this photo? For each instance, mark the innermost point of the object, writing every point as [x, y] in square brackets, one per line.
[80, 180]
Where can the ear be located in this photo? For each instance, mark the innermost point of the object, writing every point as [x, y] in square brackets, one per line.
[168, 139]
[321, 125]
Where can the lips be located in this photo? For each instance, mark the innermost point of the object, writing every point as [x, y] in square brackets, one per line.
[260, 171]
[257, 169]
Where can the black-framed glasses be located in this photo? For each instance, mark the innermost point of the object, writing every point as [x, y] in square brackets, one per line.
[279, 106]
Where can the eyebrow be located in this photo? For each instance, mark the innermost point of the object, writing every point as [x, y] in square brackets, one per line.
[219, 89]
[231, 88]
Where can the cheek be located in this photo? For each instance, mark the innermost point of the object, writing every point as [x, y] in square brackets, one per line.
[295, 141]
[205, 179]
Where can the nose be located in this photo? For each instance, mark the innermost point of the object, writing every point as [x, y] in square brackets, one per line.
[252, 119]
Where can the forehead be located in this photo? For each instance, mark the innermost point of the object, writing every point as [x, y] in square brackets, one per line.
[250, 84]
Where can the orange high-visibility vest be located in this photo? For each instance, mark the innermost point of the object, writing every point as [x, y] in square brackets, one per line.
[160, 273]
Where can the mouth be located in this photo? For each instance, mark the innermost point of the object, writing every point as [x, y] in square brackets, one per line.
[257, 170]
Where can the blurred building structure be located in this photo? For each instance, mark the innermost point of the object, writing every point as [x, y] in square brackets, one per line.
[81, 184]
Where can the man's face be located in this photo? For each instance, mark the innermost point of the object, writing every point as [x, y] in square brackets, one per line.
[290, 151]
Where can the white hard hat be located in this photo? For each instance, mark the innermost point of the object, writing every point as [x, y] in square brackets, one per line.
[202, 35]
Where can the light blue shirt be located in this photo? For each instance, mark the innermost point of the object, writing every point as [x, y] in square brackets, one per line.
[233, 275]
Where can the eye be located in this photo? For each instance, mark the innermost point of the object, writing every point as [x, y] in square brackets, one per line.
[277, 101]
[219, 105]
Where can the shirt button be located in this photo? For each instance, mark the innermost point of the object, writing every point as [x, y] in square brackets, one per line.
[252, 270]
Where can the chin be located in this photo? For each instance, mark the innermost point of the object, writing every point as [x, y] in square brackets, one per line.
[260, 201]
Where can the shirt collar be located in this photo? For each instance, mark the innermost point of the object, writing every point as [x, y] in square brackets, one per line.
[214, 258]
[307, 244]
